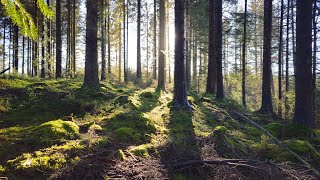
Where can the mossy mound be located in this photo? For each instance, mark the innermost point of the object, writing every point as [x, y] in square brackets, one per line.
[148, 94]
[275, 129]
[298, 146]
[143, 150]
[221, 129]
[297, 130]
[127, 134]
[50, 132]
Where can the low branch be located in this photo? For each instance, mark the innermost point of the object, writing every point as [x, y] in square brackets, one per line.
[4, 71]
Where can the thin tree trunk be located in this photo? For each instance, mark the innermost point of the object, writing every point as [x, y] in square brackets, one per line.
[49, 55]
[124, 42]
[286, 116]
[244, 48]
[109, 41]
[74, 38]
[120, 46]
[314, 68]
[43, 72]
[139, 75]
[4, 46]
[280, 62]
[155, 40]
[16, 47]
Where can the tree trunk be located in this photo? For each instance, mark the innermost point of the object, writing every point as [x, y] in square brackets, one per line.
[180, 89]
[280, 62]
[58, 40]
[43, 72]
[138, 41]
[49, 55]
[162, 45]
[212, 73]
[266, 106]
[244, 48]
[120, 47]
[103, 41]
[124, 42]
[286, 103]
[303, 112]
[155, 40]
[16, 47]
[314, 67]
[4, 46]
[109, 41]
[187, 53]
[218, 44]
[91, 78]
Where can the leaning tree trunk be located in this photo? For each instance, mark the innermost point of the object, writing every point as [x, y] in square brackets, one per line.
[266, 106]
[91, 78]
[218, 44]
[162, 45]
[138, 41]
[58, 40]
[303, 112]
[180, 89]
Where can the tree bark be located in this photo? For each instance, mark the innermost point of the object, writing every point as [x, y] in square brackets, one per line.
[286, 103]
[267, 107]
[103, 41]
[180, 86]
[218, 44]
[155, 40]
[16, 47]
[162, 45]
[303, 112]
[280, 51]
[244, 48]
[212, 73]
[91, 78]
[58, 40]
[109, 41]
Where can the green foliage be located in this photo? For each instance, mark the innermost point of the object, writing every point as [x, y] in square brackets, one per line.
[297, 130]
[221, 129]
[142, 150]
[15, 10]
[127, 134]
[298, 146]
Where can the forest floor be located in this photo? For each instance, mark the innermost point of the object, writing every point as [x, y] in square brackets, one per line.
[55, 129]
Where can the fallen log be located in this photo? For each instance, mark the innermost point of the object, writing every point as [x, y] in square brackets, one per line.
[300, 159]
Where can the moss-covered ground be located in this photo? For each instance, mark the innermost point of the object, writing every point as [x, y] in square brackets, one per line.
[56, 129]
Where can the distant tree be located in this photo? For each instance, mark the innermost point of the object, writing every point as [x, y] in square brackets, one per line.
[180, 87]
[266, 106]
[303, 112]
[91, 78]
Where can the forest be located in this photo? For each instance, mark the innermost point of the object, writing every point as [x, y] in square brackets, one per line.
[159, 89]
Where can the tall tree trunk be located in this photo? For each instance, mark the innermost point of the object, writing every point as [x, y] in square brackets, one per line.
[194, 59]
[154, 69]
[286, 103]
[180, 89]
[162, 45]
[91, 78]
[124, 42]
[103, 41]
[120, 47]
[58, 40]
[244, 48]
[147, 53]
[187, 53]
[74, 38]
[43, 72]
[266, 106]
[109, 41]
[212, 70]
[138, 41]
[218, 44]
[28, 57]
[314, 67]
[303, 112]
[68, 62]
[293, 37]
[280, 61]
[15, 47]
[23, 46]
[255, 40]
[10, 46]
[4, 46]
[49, 55]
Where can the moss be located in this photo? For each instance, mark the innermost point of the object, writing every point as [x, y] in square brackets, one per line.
[297, 131]
[148, 94]
[298, 146]
[142, 150]
[254, 132]
[121, 155]
[221, 129]
[127, 134]
[52, 131]
[275, 129]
